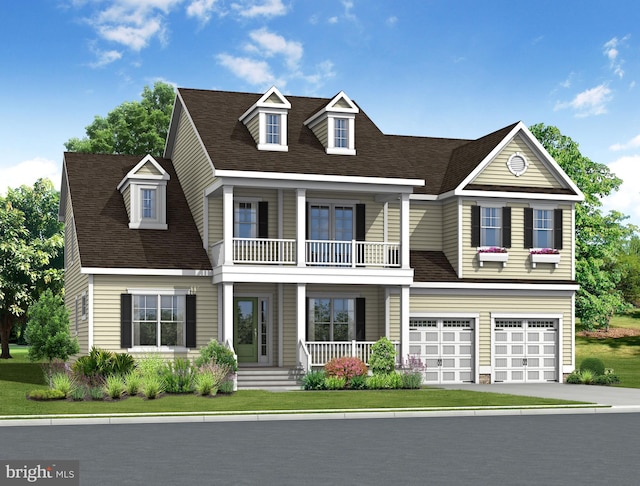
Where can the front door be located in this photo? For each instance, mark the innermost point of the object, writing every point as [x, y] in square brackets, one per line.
[245, 329]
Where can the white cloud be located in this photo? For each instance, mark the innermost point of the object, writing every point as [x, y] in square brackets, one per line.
[590, 102]
[29, 171]
[392, 21]
[271, 44]
[253, 71]
[627, 199]
[266, 8]
[612, 52]
[201, 9]
[633, 143]
[105, 58]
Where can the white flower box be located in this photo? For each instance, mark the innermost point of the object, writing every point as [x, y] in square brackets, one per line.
[553, 258]
[493, 257]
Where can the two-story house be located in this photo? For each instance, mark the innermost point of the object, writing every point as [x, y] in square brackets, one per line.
[293, 230]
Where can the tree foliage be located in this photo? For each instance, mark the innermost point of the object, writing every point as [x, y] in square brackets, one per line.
[133, 128]
[31, 258]
[48, 330]
[629, 267]
[598, 236]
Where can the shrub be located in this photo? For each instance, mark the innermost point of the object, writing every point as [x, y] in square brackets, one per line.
[62, 382]
[152, 386]
[346, 368]
[411, 379]
[132, 383]
[574, 378]
[594, 364]
[216, 353]
[358, 382]
[314, 380]
[46, 394]
[335, 382]
[587, 376]
[100, 363]
[150, 364]
[122, 364]
[383, 357]
[379, 381]
[179, 376]
[204, 384]
[216, 375]
[114, 386]
[226, 387]
[395, 380]
[78, 393]
[606, 379]
[96, 393]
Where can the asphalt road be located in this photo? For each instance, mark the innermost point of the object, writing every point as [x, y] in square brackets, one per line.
[592, 449]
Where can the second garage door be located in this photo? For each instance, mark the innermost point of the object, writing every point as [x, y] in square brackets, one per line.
[445, 347]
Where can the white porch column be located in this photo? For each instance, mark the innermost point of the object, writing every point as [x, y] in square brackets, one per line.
[227, 224]
[301, 226]
[227, 313]
[404, 229]
[301, 318]
[404, 322]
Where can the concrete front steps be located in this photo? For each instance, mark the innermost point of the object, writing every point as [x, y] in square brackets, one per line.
[274, 379]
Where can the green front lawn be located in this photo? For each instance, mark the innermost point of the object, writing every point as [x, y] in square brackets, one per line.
[18, 376]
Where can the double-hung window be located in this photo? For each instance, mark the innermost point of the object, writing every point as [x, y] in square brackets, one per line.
[273, 127]
[158, 320]
[332, 319]
[543, 228]
[148, 197]
[491, 227]
[245, 220]
[341, 133]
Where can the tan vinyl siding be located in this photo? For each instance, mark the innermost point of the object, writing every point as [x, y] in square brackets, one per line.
[498, 303]
[290, 331]
[497, 172]
[106, 305]
[321, 131]
[426, 226]
[394, 317]
[519, 262]
[215, 219]
[148, 169]
[254, 128]
[193, 168]
[75, 283]
[289, 216]
[126, 196]
[450, 232]
[393, 222]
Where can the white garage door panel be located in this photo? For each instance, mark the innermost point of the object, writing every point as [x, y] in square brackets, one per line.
[444, 347]
[526, 350]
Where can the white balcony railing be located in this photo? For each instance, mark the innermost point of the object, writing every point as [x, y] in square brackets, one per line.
[263, 250]
[322, 352]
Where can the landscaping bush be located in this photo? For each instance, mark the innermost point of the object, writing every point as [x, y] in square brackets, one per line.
[313, 380]
[78, 393]
[379, 381]
[62, 382]
[152, 386]
[96, 393]
[335, 382]
[606, 379]
[100, 363]
[226, 387]
[216, 374]
[358, 382]
[383, 357]
[594, 364]
[411, 379]
[346, 367]
[150, 364]
[179, 376]
[132, 383]
[114, 386]
[216, 353]
[46, 394]
[204, 384]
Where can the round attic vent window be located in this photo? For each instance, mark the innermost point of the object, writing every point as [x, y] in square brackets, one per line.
[517, 164]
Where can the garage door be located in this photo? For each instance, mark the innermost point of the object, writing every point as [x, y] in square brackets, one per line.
[526, 350]
[445, 347]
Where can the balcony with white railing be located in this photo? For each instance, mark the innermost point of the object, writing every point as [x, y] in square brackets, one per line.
[321, 352]
[264, 250]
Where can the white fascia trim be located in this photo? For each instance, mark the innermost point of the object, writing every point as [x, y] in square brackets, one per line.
[262, 103]
[273, 147]
[318, 178]
[494, 286]
[518, 195]
[424, 197]
[158, 291]
[339, 151]
[132, 174]
[146, 271]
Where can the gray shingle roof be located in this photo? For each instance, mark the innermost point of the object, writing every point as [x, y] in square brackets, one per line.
[102, 223]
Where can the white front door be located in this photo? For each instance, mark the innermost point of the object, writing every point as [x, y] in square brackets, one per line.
[445, 347]
[525, 350]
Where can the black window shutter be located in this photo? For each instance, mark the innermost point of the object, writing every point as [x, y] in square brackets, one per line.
[125, 320]
[360, 319]
[475, 225]
[557, 229]
[528, 227]
[191, 321]
[263, 219]
[506, 227]
[360, 222]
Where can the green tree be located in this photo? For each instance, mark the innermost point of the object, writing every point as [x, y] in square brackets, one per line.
[31, 259]
[629, 268]
[133, 128]
[48, 330]
[598, 236]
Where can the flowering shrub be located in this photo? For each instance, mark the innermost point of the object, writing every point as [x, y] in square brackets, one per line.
[346, 368]
[492, 249]
[545, 251]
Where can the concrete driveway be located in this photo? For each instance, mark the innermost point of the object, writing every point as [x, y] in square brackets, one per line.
[602, 395]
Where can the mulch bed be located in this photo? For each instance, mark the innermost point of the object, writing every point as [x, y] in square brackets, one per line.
[612, 333]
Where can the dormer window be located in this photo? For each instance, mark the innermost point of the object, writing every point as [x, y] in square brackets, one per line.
[144, 190]
[266, 120]
[334, 125]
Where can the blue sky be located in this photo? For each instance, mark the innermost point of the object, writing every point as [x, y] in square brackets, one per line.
[441, 68]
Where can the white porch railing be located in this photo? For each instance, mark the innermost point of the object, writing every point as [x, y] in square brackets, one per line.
[322, 352]
[304, 357]
[264, 250]
[352, 253]
[229, 345]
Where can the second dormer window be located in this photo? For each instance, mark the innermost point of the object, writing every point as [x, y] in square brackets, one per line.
[148, 204]
[341, 133]
[273, 128]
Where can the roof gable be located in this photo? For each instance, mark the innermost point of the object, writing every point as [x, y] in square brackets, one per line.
[147, 169]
